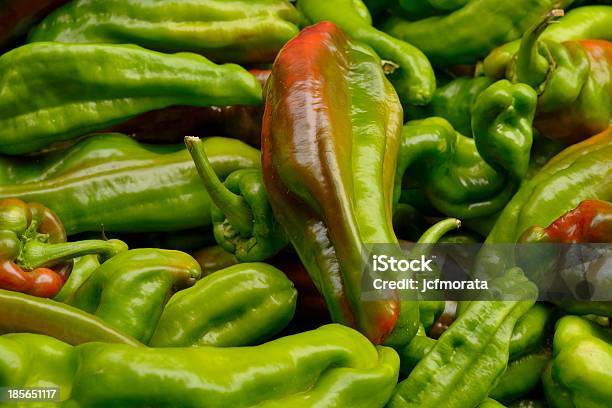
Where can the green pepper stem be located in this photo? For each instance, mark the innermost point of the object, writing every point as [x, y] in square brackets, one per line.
[531, 67]
[36, 254]
[232, 205]
[433, 235]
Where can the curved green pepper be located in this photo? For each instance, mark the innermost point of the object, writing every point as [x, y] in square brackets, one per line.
[579, 374]
[332, 366]
[242, 305]
[472, 31]
[241, 31]
[242, 218]
[81, 88]
[24, 313]
[110, 182]
[82, 269]
[531, 330]
[130, 290]
[414, 352]
[490, 403]
[521, 377]
[589, 22]
[410, 71]
[471, 355]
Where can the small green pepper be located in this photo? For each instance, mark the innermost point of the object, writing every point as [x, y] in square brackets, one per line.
[521, 377]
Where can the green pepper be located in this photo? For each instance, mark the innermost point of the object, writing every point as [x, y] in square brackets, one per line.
[573, 80]
[579, 374]
[410, 72]
[242, 218]
[213, 259]
[112, 183]
[414, 352]
[34, 255]
[464, 364]
[418, 9]
[331, 366]
[82, 269]
[521, 377]
[130, 290]
[51, 92]
[240, 31]
[241, 305]
[531, 330]
[330, 138]
[490, 403]
[589, 22]
[469, 33]
[25, 313]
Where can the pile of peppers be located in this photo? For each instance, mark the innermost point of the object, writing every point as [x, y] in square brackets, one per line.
[191, 192]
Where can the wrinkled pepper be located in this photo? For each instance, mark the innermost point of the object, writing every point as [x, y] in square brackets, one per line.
[409, 70]
[249, 31]
[469, 178]
[589, 22]
[242, 219]
[112, 183]
[580, 373]
[129, 291]
[18, 16]
[573, 80]
[469, 32]
[330, 138]
[34, 255]
[462, 367]
[30, 314]
[241, 305]
[330, 366]
[81, 88]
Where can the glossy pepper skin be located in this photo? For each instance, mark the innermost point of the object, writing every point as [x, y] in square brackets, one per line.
[240, 31]
[243, 223]
[521, 377]
[83, 267]
[30, 314]
[332, 366]
[573, 80]
[34, 255]
[410, 71]
[241, 305]
[129, 291]
[473, 30]
[105, 182]
[579, 375]
[18, 16]
[471, 355]
[330, 139]
[71, 102]
[588, 22]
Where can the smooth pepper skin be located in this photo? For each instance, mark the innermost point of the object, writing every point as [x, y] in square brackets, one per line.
[332, 366]
[130, 290]
[30, 314]
[521, 377]
[588, 22]
[410, 72]
[470, 32]
[111, 182]
[471, 354]
[580, 374]
[51, 92]
[330, 140]
[250, 31]
[243, 223]
[573, 80]
[242, 305]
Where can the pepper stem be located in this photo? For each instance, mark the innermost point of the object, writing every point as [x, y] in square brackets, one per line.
[232, 205]
[36, 254]
[531, 67]
[433, 235]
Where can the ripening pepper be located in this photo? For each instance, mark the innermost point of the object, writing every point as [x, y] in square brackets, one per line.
[214, 258]
[330, 139]
[470, 32]
[111, 182]
[409, 70]
[130, 290]
[580, 374]
[242, 219]
[472, 354]
[588, 22]
[241, 305]
[30, 314]
[332, 366]
[51, 92]
[250, 31]
[34, 255]
[469, 178]
[18, 16]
